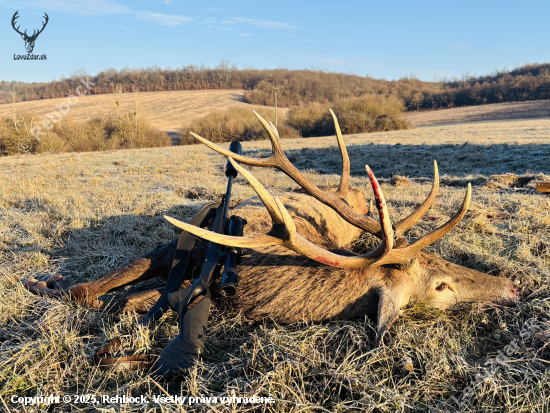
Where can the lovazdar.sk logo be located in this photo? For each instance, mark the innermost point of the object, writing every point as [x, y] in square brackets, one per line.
[29, 40]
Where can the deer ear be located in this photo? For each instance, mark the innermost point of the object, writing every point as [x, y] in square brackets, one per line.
[389, 304]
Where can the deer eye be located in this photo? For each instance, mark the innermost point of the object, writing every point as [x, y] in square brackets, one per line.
[441, 287]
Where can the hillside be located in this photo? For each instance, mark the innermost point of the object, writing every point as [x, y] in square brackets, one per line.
[301, 87]
[84, 214]
[496, 111]
[167, 111]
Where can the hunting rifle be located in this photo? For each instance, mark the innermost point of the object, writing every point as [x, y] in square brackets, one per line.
[182, 352]
[185, 349]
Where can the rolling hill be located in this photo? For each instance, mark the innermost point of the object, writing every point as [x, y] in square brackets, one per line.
[167, 111]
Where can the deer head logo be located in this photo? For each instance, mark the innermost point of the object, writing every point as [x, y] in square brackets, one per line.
[29, 40]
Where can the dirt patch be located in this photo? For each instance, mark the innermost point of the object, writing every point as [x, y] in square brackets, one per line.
[398, 180]
[195, 192]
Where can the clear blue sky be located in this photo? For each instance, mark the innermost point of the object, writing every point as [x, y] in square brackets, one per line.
[390, 39]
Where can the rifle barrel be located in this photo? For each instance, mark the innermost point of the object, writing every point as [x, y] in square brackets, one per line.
[231, 173]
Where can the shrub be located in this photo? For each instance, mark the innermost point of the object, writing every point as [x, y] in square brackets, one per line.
[233, 124]
[10, 136]
[115, 132]
[99, 134]
[371, 113]
[306, 118]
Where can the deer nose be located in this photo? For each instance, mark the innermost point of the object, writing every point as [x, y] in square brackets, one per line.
[513, 292]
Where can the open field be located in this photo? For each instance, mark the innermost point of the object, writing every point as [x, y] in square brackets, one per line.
[167, 111]
[497, 111]
[83, 214]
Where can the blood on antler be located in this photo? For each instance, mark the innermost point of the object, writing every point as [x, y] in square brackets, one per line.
[283, 230]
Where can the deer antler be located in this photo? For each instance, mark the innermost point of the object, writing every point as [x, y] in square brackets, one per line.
[336, 200]
[43, 24]
[13, 19]
[34, 33]
[283, 232]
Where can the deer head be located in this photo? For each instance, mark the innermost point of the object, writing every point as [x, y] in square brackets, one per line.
[29, 40]
[399, 272]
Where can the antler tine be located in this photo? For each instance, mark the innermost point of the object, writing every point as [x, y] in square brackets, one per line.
[412, 219]
[448, 226]
[385, 221]
[344, 178]
[405, 255]
[240, 242]
[274, 129]
[239, 158]
[265, 196]
[273, 136]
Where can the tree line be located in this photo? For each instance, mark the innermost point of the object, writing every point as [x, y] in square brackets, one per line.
[301, 87]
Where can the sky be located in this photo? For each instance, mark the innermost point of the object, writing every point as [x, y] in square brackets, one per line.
[429, 40]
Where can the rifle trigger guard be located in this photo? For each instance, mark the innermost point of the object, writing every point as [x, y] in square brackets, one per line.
[180, 300]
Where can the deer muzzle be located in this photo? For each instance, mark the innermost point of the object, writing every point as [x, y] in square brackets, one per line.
[511, 293]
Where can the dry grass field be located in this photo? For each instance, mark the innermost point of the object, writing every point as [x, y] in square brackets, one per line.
[167, 111]
[499, 111]
[83, 214]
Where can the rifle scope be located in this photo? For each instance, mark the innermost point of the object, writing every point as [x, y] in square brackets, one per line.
[230, 276]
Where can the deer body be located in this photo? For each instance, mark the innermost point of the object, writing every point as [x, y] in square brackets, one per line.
[286, 286]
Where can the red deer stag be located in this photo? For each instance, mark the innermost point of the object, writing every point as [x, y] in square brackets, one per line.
[300, 268]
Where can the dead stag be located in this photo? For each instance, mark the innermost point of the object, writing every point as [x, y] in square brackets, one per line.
[302, 268]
